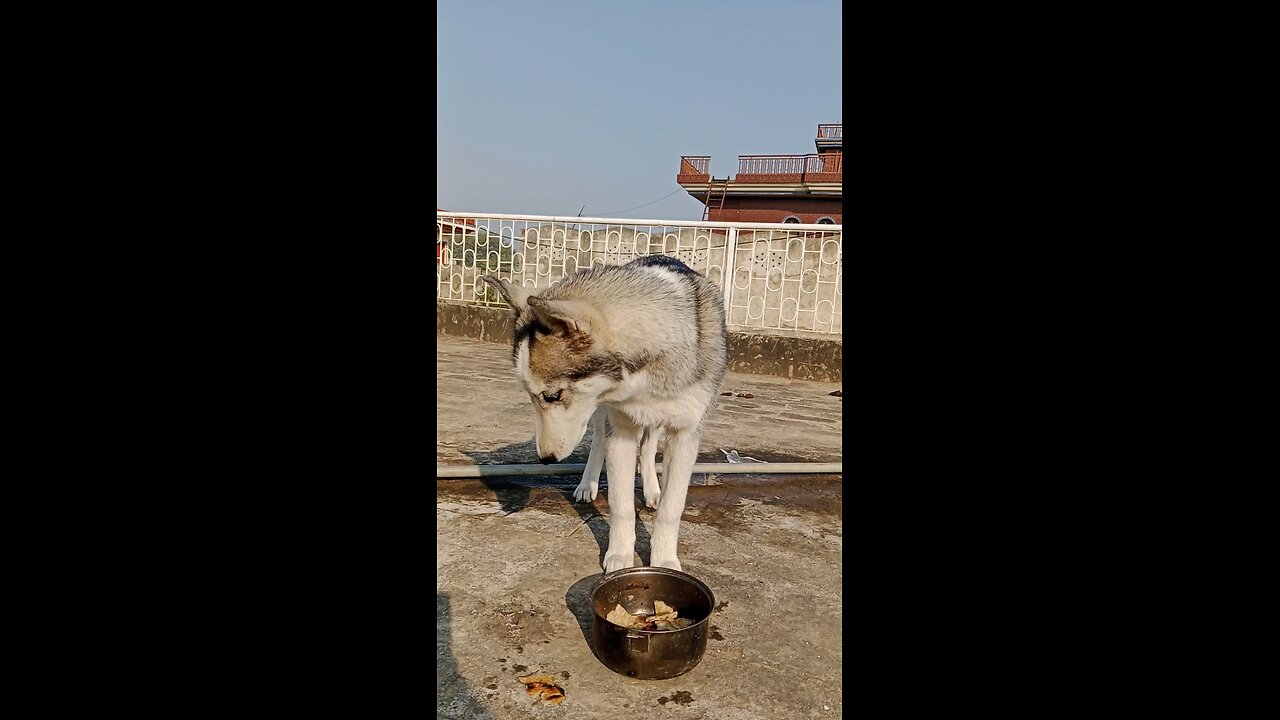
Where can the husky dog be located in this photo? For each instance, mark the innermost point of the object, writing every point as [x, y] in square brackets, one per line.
[643, 345]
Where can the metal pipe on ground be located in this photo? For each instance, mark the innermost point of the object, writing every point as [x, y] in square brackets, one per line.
[473, 471]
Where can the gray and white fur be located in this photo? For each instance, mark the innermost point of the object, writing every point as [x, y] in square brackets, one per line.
[642, 345]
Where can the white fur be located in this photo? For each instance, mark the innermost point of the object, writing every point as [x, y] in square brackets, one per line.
[620, 455]
[636, 312]
[589, 487]
[561, 426]
[638, 418]
[522, 364]
[648, 467]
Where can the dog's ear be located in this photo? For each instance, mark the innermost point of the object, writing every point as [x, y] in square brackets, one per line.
[517, 296]
[565, 316]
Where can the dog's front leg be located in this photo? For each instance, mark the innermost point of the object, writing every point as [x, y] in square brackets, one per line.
[648, 469]
[589, 487]
[620, 454]
[678, 458]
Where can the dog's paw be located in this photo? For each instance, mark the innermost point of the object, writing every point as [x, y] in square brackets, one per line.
[652, 495]
[586, 492]
[671, 562]
[617, 560]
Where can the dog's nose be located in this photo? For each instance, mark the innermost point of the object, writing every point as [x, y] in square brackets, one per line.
[547, 459]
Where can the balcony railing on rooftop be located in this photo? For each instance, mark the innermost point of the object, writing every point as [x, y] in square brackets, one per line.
[827, 167]
[826, 164]
[790, 168]
[694, 169]
[770, 165]
[831, 131]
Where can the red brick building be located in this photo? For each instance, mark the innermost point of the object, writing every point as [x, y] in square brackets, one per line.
[773, 188]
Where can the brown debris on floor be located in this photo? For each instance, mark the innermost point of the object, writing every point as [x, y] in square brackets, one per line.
[543, 687]
[680, 697]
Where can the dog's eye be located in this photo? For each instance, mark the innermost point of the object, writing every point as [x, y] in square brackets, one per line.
[552, 397]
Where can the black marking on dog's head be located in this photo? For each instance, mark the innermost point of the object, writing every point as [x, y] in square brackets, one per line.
[528, 330]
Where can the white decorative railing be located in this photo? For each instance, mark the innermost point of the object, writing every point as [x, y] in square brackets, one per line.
[783, 277]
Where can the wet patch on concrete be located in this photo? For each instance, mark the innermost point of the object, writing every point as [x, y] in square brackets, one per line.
[705, 504]
[680, 697]
[537, 566]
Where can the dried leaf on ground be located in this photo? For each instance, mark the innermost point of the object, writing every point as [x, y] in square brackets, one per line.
[543, 687]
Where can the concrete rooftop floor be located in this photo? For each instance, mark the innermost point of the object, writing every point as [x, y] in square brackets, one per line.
[515, 559]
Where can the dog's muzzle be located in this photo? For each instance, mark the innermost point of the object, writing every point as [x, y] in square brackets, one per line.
[548, 459]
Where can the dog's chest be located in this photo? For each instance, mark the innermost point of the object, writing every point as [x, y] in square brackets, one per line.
[636, 397]
[675, 413]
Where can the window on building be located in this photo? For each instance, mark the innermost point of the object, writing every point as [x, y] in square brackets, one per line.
[826, 221]
[792, 219]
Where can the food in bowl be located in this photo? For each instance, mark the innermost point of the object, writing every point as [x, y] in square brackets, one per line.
[664, 618]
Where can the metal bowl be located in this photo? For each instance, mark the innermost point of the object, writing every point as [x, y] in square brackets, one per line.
[650, 654]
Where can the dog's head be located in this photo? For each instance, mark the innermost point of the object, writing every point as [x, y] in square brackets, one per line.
[562, 360]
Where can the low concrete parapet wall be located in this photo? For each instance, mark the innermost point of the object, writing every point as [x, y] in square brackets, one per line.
[788, 356]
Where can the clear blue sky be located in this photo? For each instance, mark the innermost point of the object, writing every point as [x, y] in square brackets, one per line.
[543, 107]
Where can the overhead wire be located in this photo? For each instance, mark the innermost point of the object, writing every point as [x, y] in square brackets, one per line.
[615, 212]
